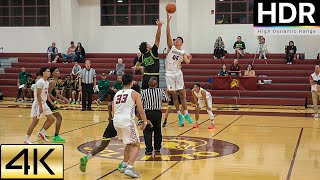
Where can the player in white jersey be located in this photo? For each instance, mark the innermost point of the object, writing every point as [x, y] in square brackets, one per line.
[123, 107]
[202, 98]
[174, 75]
[39, 106]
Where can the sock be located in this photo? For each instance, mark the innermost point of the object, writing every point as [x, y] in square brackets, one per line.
[43, 131]
[186, 112]
[124, 164]
[179, 112]
[129, 166]
[89, 156]
[197, 121]
[165, 120]
[211, 116]
[28, 138]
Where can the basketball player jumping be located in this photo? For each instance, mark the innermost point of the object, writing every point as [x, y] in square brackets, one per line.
[202, 98]
[55, 73]
[39, 105]
[174, 75]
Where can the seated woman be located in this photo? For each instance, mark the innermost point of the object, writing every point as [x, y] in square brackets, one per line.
[291, 50]
[223, 71]
[80, 53]
[239, 46]
[250, 71]
[218, 49]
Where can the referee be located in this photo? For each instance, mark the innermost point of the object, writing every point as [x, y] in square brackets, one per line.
[152, 99]
[86, 84]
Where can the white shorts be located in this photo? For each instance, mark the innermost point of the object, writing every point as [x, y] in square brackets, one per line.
[174, 80]
[35, 112]
[203, 104]
[128, 134]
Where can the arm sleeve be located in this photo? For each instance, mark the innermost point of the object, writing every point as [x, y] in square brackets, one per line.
[234, 45]
[140, 59]
[155, 51]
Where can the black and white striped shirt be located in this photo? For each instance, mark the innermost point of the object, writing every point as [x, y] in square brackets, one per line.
[152, 98]
[88, 76]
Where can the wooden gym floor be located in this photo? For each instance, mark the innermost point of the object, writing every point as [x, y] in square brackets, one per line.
[268, 144]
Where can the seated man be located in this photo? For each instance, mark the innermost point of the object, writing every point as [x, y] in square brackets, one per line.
[27, 92]
[103, 85]
[116, 87]
[239, 47]
[70, 54]
[68, 88]
[60, 87]
[76, 69]
[120, 67]
[76, 93]
[235, 68]
[22, 79]
[52, 53]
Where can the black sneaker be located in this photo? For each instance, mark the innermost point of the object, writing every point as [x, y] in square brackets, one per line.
[157, 150]
[164, 124]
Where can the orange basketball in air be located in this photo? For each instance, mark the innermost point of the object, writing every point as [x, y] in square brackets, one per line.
[171, 8]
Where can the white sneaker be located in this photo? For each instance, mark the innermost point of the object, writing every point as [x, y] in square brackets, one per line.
[223, 57]
[130, 172]
[43, 136]
[27, 142]
[316, 116]
[214, 57]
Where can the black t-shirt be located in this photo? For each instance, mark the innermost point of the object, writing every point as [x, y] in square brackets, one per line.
[151, 60]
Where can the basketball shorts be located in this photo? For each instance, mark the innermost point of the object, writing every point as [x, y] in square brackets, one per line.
[109, 132]
[128, 134]
[52, 108]
[202, 103]
[174, 80]
[35, 111]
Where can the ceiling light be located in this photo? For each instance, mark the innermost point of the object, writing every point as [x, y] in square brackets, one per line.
[120, 1]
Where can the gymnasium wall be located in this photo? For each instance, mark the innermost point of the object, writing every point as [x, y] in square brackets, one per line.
[79, 20]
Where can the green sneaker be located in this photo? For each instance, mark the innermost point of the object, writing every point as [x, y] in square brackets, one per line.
[188, 118]
[181, 118]
[57, 103]
[77, 102]
[58, 139]
[83, 163]
[121, 168]
[73, 103]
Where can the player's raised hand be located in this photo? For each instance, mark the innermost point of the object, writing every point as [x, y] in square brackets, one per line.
[159, 23]
[169, 16]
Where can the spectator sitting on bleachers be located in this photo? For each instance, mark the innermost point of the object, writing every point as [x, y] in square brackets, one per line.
[116, 87]
[104, 88]
[239, 47]
[235, 67]
[290, 52]
[70, 54]
[80, 53]
[218, 48]
[140, 68]
[250, 71]
[27, 92]
[22, 79]
[68, 88]
[76, 92]
[263, 50]
[60, 87]
[223, 71]
[76, 69]
[52, 53]
[120, 67]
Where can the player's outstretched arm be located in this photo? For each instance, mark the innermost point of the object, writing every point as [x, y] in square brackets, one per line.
[195, 99]
[169, 39]
[158, 35]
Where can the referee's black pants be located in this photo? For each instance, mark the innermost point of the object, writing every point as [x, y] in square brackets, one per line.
[87, 91]
[155, 118]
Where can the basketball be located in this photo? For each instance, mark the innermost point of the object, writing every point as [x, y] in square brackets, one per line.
[171, 8]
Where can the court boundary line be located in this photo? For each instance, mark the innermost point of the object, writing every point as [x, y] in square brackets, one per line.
[294, 155]
[249, 125]
[171, 165]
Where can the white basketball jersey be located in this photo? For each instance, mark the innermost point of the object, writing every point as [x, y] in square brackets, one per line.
[174, 59]
[199, 95]
[41, 83]
[124, 108]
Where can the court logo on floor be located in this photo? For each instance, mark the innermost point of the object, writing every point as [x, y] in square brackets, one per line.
[174, 148]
